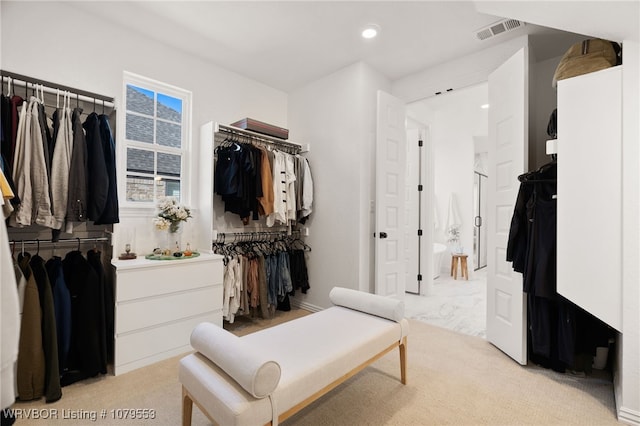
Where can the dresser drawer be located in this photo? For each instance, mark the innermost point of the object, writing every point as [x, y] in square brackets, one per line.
[156, 310]
[144, 347]
[166, 277]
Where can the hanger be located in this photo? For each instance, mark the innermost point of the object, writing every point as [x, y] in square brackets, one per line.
[544, 174]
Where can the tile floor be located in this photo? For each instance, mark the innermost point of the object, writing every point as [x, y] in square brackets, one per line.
[458, 305]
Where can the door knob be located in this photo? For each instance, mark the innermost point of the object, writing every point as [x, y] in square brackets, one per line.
[383, 235]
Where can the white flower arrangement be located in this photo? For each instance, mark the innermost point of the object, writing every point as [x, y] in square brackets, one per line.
[170, 214]
[453, 234]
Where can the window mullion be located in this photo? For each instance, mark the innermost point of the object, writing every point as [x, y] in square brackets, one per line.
[174, 158]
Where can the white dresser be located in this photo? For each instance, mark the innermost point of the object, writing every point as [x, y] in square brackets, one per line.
[158, 303]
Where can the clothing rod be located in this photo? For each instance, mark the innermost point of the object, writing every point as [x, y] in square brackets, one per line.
[231, 130]
[61, 241]
[231, 237]
[53, 87]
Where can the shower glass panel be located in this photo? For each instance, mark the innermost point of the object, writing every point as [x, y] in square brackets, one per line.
[479, 211]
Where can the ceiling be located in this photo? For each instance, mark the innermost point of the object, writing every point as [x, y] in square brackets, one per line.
[287, 44]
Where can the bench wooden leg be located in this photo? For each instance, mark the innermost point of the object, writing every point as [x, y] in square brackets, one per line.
[187, 408]
[403, 360]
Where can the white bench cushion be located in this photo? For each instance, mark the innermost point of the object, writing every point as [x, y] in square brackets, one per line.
[370, 303]
[312, 351]
[257, 374]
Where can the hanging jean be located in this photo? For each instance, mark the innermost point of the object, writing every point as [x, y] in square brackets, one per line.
[284, 275]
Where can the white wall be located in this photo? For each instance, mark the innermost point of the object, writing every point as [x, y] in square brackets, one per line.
[78, 50]
[336, 115]
[457, 74]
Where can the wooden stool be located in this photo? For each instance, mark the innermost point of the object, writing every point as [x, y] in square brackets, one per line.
[463, 266]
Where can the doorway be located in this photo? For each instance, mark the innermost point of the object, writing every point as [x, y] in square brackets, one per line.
[456, 135]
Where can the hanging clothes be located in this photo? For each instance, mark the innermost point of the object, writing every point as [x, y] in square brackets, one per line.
[109, 214]
[232, 286]
[266, 201]
[279, 171]
[304, 190]
[9, 320]
[62, 308]
[106, 308]
[60, 165]
[78, 174]
[30, 373]
[260, 276]
[256, 182]
[85, 357]
[30, 171]
[52, 388]
[556, 326]
[98, 177]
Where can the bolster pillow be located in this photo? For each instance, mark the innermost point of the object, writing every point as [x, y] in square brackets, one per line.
[254, 372]
[373, 304]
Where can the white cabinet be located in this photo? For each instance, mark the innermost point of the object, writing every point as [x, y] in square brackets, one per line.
[158, 303]
[589, 245]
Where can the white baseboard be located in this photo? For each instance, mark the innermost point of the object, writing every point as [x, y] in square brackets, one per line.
[629, 416]
[305, 305]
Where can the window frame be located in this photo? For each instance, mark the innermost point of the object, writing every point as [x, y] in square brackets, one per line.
[184, 152]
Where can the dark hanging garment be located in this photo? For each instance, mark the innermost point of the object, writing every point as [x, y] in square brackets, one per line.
[299, 273]
[84, 286]
[52, 389]
[5, 119]
[109, 214]
[16, 102]
[106, 307]
[540, 267]
[55, 118]
[97, 176]
[77, 199]
[62, 307]
[227, 179]
[517, 243]
[46, 138]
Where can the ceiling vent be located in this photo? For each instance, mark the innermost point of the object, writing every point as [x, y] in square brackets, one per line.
[498, 28]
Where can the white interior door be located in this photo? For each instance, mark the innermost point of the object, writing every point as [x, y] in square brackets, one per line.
[508, 127]
[390, 255]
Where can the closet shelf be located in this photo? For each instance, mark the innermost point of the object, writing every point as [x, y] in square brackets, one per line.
[221, 131]
[56, 89]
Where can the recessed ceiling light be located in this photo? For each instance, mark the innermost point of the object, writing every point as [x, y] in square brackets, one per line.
[370, 31]
[484, 106]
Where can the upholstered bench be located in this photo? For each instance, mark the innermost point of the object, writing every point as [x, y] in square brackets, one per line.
[267, 376]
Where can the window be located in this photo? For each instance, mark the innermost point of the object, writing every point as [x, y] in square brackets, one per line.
[156, 133]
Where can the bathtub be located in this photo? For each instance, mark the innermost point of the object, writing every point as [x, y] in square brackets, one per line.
[438, 252]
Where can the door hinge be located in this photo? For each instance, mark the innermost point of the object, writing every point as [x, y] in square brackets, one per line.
[419, 277]
[419, 232]
[420, 142]
[420, 188]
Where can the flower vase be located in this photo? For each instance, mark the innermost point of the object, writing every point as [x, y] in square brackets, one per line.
[174, 237]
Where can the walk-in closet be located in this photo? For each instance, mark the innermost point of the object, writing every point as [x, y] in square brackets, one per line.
[58, 165]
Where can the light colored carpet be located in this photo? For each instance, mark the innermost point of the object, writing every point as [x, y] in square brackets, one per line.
[453, 379]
